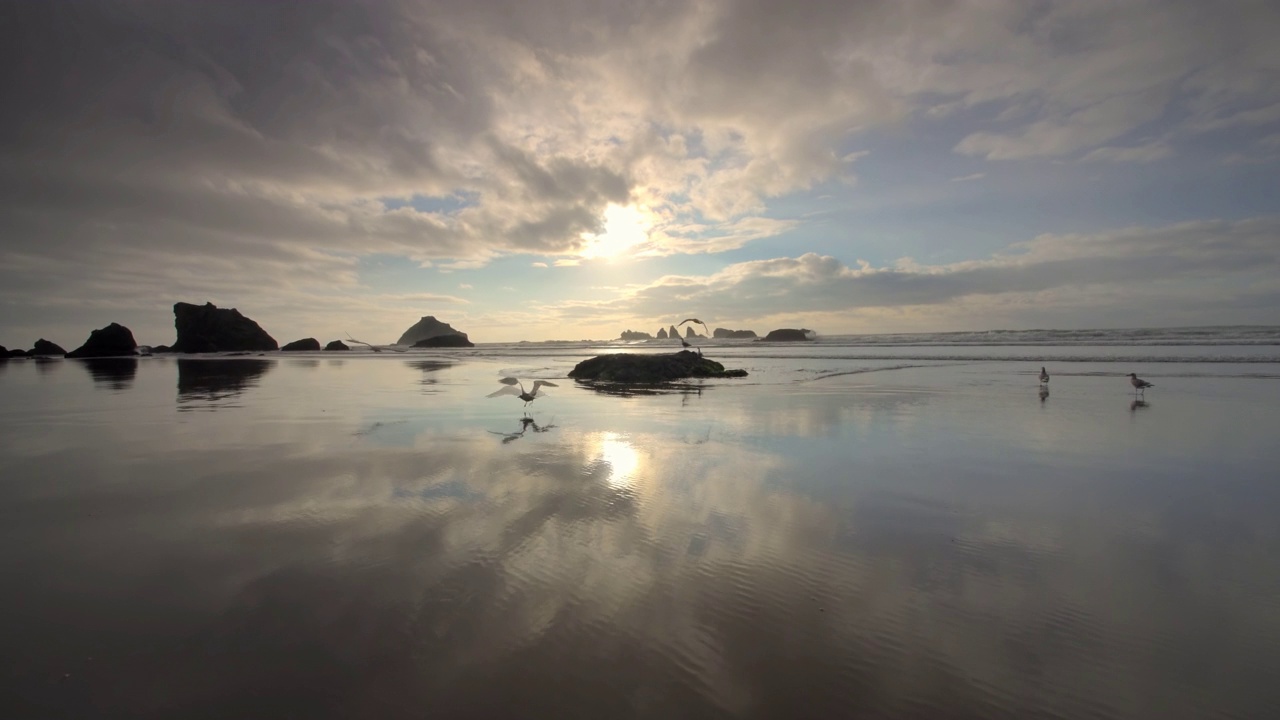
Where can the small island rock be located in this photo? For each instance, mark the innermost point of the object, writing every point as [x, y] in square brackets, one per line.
[635, 335]
[114, 340]
[788, 335]
[725, 333]
[662, 333]
[157, 349]
[636, 368]
[206, 328]
[302, 345]
[44, 347]
[337, 345]
[445, 341]
[428, 327]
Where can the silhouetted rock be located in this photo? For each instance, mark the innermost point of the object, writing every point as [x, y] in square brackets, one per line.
[689, 333]
[302, 345]
[16, 353]
[157, 349]
[206, 328]
[336, 345]
[672, 332]
[44, 347]
[787, 335]
[733, 334]
[635, 335]
[662, 333]
[116, 373]
[4, 353]
[445, 341]
[114, 340]
[429, 327]
[629, 368]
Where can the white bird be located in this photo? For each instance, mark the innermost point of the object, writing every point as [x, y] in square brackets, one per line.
[527, 396]
[1044, 376]
[1138, 383]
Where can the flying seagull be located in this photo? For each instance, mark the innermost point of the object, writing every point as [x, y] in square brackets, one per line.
[1138, 383]
[696, 320]
[1044, 376]
[527, 396]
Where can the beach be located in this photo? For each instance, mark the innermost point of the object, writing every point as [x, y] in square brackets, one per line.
[905, 530]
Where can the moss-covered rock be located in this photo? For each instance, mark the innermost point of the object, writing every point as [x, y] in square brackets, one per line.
[634, 368]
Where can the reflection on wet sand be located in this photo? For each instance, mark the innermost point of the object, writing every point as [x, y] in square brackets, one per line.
[114, 373]
[428, 383]
[526, 424]
[208, 383]
[1137, 405]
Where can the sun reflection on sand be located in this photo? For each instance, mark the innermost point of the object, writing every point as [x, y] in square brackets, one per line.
[621, 457]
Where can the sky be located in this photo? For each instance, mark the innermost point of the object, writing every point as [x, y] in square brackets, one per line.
[561, 169]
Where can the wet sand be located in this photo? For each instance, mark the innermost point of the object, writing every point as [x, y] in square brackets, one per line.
[371, 537]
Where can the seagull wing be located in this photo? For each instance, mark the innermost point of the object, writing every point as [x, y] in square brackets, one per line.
[537, 385]
[692, 320]
[508, 390]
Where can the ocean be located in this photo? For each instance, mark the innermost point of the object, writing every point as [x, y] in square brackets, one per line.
[864, 526]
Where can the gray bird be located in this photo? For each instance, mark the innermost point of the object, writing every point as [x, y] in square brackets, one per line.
[527, 396]
[1138, 383]
[1044, 376]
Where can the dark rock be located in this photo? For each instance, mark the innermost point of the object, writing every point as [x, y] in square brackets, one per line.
[787, 335]
[662, 333]
[16, 353]
[632, 368]
[157, 349]
[429, 327]
[114, 340]
[672, 332]
[635, 335]
[733, 334]
[44, 347]
[206, 328]
[4, 353]
[445, 341]
[336, 345]
[689, 333]
[301, 345]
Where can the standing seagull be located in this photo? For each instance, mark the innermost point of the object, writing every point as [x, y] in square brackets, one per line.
[527, 396]
[1044, 376]
[1138, 383]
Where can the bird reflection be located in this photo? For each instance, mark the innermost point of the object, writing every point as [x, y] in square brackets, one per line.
[526, 424]
[115, 373]
[1137, 404]
[1044, 393]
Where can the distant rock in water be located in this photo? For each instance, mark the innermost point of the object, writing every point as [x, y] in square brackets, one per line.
[44, 347]
[633, 368]
[16, 353]
[206, 328]
[302, 345]
[689, 333]
[733, 334]
[114, 340]
[429, 327]
[158, 349]
[662, 333]
[635, 335]
[336, 345]
[788, 335]
[445, 341]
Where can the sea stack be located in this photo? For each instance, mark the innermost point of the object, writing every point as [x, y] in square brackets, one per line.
[303, 345]
[662, 333]
[45, 348]
[114, 340]
[426, 328]
[788, 335]
[207, 328]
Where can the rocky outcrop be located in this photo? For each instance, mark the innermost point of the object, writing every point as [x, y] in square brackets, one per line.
[689, 333]
[632, 368]
[635, 335]
[114, 340]
[336, 345]
[206, 328]
[302, 345]
[16, 353]
[157, 349]
[727, 334]
[788, 335]
[445, 341]
[662, 333]
[45, 348]
[428, 327]
[672, 332]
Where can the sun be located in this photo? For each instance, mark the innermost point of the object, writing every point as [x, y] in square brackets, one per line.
[625, 227]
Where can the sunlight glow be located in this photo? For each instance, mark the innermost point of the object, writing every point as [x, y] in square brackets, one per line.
[622, 459]
[625, 227]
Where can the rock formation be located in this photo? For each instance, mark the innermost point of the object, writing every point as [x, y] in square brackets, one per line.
[301, 345]
[689, 333]
[787, 335]
[114, 340]
[633, 368]
[443, 341]
[157, 349]
[428, 327]
[205, 328]
[635, 335]
[733, 334]
[662, 333]
[17, 353]
[337, 345]
[44, 347]
[673, 333]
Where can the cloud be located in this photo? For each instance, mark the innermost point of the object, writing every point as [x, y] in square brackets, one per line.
[967, 178]
[1150, 152]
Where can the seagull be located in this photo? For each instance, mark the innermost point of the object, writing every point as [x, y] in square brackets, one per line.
[1044, 376]
[693, 320]
[527, 396]
[1138, 383]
